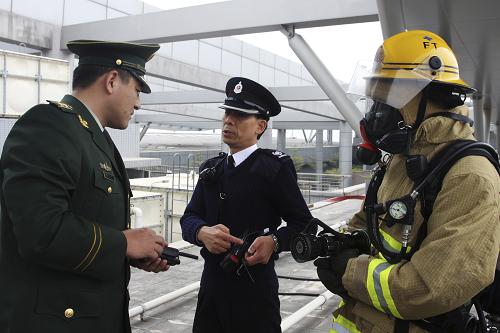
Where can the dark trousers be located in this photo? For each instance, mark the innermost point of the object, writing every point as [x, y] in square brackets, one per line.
[232, 304]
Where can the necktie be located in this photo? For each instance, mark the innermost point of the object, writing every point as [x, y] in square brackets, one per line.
[230, 162]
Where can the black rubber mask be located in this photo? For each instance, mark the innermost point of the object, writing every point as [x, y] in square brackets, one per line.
[385, 128]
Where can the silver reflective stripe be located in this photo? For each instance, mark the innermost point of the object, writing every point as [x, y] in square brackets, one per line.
[389, 247]
[378, 287]
[340, 329]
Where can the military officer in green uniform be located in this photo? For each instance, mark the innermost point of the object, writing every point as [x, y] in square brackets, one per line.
[65, 246]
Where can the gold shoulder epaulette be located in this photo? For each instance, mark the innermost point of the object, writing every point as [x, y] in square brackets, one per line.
[61, 105]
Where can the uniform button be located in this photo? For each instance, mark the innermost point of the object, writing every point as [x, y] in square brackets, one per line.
[110, 189]
[69, 313]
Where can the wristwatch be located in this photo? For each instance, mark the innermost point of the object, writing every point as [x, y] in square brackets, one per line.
[276, 243]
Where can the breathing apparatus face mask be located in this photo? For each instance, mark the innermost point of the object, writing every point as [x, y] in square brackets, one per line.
[382, 128]
[383, 96]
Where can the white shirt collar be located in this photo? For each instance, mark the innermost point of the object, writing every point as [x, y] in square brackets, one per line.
[96, 119]
[242, 155]
[93, 115]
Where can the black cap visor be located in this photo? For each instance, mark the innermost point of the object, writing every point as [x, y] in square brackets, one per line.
[244, 107]
[144, 86]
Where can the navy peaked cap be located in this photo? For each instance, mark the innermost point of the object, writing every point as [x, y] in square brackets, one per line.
[247, 96]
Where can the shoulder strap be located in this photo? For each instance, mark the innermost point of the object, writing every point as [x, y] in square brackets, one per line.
[213, 161]
[274, 154]
[443, 161]
[62, 106]
[454, 116]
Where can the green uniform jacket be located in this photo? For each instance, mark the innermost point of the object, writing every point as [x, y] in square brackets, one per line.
[64, 202]
[456, 260]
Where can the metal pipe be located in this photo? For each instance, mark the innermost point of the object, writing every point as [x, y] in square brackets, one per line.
[324, 78]
[305, 310]
[190, 172]
[144, 130]
[138, 216]
[141, 309]
[305, 136]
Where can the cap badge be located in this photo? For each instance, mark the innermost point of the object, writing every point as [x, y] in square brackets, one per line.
[238, 88]
[118, 62]
[83, 122]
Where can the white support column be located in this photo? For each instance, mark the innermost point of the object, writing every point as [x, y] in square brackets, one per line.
[329, 137]
[345, 151]
[281, 146]
[391, 20]
[487, 120]
[498, 135]
[477, 102]
[319, 151]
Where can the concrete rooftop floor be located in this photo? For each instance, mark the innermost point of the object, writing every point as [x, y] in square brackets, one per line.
[177, 315]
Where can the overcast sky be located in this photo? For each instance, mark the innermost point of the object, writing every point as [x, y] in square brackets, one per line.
[339, 47]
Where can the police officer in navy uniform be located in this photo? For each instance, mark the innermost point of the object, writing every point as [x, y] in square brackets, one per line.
[65, 248]
[248, 191]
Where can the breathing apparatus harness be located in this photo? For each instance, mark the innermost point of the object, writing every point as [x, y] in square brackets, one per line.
[428, 177]
[402, 210]
[397, 140]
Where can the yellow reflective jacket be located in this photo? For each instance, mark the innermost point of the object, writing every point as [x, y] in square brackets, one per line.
[457, 258]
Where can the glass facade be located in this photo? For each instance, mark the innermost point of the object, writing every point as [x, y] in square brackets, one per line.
[226, 55]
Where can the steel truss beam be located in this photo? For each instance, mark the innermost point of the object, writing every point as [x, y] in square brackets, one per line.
[225, 19]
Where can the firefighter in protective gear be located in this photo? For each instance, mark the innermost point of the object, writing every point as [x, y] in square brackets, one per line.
[415, 106]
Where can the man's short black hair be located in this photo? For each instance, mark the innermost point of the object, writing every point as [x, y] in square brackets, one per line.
[85, 75]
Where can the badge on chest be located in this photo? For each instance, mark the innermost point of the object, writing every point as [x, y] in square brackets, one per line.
[107, 172]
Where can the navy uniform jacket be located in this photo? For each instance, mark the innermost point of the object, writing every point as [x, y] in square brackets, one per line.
[258, 193]
[64, 202]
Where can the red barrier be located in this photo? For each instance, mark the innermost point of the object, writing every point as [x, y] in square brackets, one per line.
[345, 197]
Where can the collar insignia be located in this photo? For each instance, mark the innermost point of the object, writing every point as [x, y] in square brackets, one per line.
[83, 122]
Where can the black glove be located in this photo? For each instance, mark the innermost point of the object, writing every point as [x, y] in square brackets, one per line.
[331, 269]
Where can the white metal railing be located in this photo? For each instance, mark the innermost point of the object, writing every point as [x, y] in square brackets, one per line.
[322, 181]
[141, 309]
[305, 310]
[314, 186]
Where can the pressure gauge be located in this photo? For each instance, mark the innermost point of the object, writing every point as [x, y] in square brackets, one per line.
[398, 210]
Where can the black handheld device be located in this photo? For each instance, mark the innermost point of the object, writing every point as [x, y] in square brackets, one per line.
[235, 256]
[172, 255]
